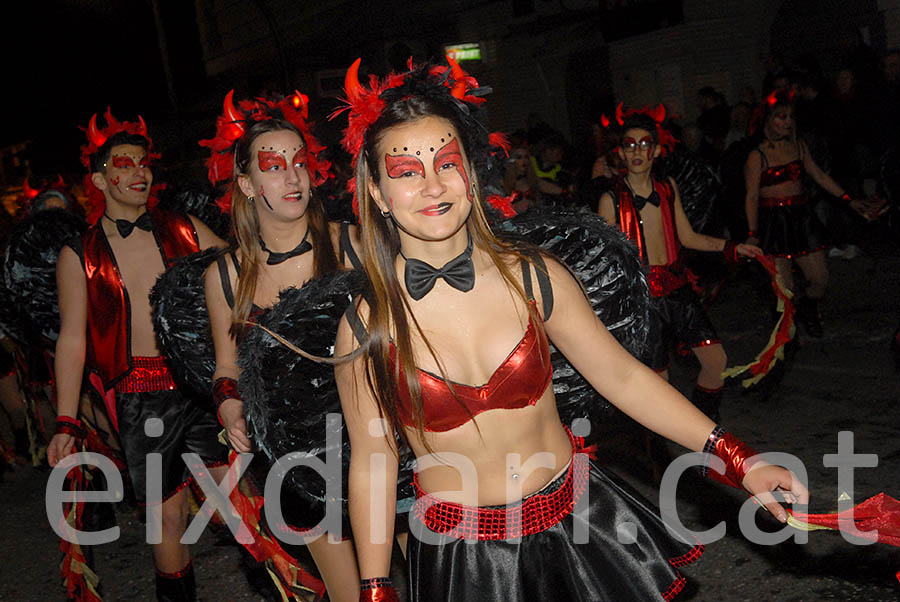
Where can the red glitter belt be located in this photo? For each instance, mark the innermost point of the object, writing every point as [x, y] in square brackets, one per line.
[663, 281]
[783, 201]
[147, 374]
[534, 514]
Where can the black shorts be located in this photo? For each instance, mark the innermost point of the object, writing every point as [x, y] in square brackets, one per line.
[677, 319]
[188, 427]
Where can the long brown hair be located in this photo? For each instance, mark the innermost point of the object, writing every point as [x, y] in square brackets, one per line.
[245, 225]
[389, 309]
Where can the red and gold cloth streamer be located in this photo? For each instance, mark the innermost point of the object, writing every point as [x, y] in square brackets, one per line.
[876, 519]
[781, 334]
[291, 580]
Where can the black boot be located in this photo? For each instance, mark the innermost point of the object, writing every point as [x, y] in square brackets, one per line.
[176, 587]
[708, 401]
[808, 317]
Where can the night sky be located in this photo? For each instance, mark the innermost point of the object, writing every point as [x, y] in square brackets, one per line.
[65, 61]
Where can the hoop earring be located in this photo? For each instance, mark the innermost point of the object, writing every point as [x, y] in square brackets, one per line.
[385, 214]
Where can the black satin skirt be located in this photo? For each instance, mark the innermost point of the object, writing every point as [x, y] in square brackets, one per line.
[791, 231]
[629, 556]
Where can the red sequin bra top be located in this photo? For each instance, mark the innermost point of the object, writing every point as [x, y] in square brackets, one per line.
[518, 382]
[779, 174]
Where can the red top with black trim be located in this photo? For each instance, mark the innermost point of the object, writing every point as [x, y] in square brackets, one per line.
[518, 382]
[109, 311]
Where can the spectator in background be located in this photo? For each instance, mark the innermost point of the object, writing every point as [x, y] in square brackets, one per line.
[740, 123]
[520, 179]
[714, 122]
[548, 165]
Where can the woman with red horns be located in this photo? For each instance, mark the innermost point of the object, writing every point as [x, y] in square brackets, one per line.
[268, 162]
[502, 511]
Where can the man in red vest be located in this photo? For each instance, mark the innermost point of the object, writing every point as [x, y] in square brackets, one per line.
[649, 212]
[104, 279]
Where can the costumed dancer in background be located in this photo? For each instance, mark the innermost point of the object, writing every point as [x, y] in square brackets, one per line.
[104, 280]
[779, 216]
[271, 163]
[424, 331]
[649, 212]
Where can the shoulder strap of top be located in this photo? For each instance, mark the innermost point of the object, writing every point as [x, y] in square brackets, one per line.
[359, 330]
[765, 161]
[540, 268]
[225, 277]
[347, 248]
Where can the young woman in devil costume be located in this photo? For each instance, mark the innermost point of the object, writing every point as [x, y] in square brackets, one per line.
[779, 216]
[265, 154]
[495, 463]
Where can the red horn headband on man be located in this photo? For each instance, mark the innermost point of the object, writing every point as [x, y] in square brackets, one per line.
[94, 135]
[620, 118]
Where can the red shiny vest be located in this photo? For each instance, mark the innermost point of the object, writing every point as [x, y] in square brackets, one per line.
[109, 312]
[518, 382]
[630, 218]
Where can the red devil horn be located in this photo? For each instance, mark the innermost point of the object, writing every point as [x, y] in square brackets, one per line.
[232, 114]
[620, 118]
[28, 191]
[142, 127]
[772, 98]
[459, 82]
[659, 113]
[604, 121]
[301, 103]
[94, 134]
[352, 86]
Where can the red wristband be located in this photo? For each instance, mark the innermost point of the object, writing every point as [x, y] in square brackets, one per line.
[224, 388]
[734, 452]
[70, 426]
[377, 589]
[751, 233]
[730, 251]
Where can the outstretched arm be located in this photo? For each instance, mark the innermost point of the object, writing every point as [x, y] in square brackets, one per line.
[70, 346]
[635, 389]
[372, 486]
[703, 242]
[231, 409]
[827, 182]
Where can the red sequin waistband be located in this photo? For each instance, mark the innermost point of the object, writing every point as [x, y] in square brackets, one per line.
[783, 201]
[534, 514]
[147, 374]
[663, 281]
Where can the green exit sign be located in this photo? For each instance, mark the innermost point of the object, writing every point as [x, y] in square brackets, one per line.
[464, 52]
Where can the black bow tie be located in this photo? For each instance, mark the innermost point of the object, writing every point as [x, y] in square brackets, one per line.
[459, 273]
[275, 258]
[640, 201]
[125, 227]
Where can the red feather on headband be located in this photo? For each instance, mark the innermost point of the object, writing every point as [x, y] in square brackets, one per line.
[232, 124]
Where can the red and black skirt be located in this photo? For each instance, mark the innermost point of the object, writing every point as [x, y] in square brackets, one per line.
[788, 227]
[586, 536]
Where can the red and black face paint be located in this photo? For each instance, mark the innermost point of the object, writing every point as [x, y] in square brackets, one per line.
[122, 162]
[299, 159]
[450, 154]
[269, 159]
[262, 194]
[398, 166]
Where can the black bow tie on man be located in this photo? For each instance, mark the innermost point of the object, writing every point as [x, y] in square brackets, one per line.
[125, 228]
[639, 202]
